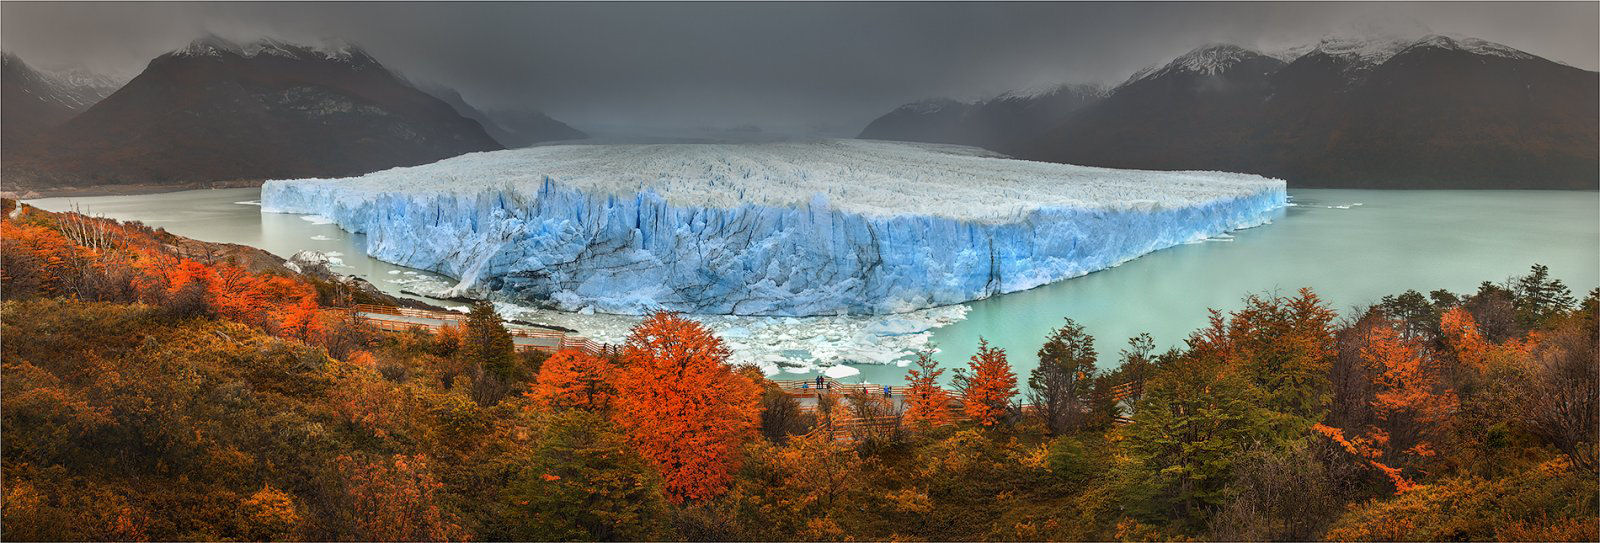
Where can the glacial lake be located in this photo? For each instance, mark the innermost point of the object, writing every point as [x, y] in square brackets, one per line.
[1351, 246]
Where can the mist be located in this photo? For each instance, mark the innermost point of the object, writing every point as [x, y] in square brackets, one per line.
[806, 68]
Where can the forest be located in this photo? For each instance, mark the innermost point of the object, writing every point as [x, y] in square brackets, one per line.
[157, 394]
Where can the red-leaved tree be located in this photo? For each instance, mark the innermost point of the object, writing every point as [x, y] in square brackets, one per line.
[683, 407]
[990, 386]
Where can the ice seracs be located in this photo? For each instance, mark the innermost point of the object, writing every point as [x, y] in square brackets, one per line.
[812, 228]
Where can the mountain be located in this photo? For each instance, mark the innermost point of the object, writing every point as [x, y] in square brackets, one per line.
[528, 127]
[1425, 112]
[510, 128]
[33, 101]
[218, 110]
[1003, 123]
[1199, 111]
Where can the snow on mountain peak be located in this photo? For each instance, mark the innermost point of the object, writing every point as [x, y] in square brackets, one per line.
[73, 87]
[1040, 91]
[1363, 52]
[1472, 45]
[1209, 59]
[212, 45]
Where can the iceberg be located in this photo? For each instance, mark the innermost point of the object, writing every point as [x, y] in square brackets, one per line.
[829, 227]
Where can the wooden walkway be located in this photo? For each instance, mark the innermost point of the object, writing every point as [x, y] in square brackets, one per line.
[401, 319]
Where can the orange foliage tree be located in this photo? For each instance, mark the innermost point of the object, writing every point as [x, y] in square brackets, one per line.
[303, 319]
[71, 255]
[1411, 404]
[1285, 345]
[926, 402]
[571, 378]
[990, 386]
[1476, 352]
[684, 408]
[396, 500]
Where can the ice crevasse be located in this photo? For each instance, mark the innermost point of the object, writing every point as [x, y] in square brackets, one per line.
[795, 228]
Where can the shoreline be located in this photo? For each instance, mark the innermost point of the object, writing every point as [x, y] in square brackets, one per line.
[131, 189]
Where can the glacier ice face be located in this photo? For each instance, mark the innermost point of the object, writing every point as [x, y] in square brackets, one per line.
[814, 228]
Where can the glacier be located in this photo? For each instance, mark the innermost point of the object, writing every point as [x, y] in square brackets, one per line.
[831, 227]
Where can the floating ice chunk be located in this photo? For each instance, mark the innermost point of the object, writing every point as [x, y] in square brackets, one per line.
[320, 237]
[795, 228]
[249, 203]
[394, 272]
[316, 219]
[840, 372]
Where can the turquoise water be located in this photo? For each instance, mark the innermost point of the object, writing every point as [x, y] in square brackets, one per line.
[1393, 241]
[227, 216]
[1352, 255]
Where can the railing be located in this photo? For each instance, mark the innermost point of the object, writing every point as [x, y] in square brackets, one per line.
[540, 339]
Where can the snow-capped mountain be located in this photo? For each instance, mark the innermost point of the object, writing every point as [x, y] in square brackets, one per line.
[1002, 123]
[217, 110]
[1375, 107]
[216, 47]
[35, 100]
[519, 128]
[1217, 59]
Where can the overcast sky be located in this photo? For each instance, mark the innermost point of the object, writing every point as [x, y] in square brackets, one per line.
[784, 66]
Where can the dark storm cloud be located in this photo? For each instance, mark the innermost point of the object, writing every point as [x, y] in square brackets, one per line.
[786, 66]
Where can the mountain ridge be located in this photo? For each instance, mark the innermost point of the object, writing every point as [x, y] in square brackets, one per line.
[217, 110]
[1428, 111]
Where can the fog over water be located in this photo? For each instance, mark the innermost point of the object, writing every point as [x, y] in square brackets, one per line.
[800, 68]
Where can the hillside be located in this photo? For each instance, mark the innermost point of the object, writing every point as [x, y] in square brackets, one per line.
[1005, 123]
[219, 111]
[1426, 111]
[33, 101]
[148, 396]
[1436, 112]
[510, 128]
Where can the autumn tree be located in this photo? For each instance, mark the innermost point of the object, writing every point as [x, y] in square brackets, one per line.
[490, 353]
[878, 418]
[988, 385]
[574, 379]
[1410, 405]
[927, 404]
[1196, 418]
[303, 320]
[270, 515]
[1059, 388]
[801, 489]
[396, 499]
[1286, 347]
[781, 416]
[582, 481]
[1564, 406]
[683, 407]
